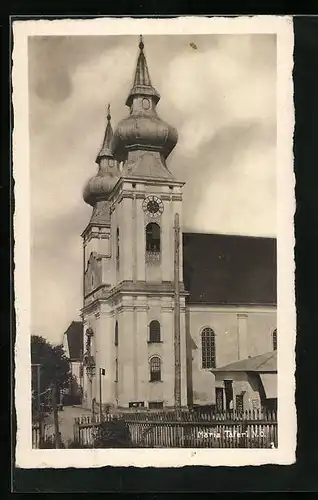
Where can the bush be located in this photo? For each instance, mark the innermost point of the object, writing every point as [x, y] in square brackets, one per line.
[112, 434]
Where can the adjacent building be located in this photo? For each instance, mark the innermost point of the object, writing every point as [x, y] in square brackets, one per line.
[73, 347]
[249, 384]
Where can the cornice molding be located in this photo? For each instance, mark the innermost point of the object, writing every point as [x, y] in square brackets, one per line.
[231, 308]
[98, 291]
[165, 197]
[91, 226]
[117, 194]
[167, 309]
[141, 308]
[144, 288]
[176, 197]
[125, 288]
[126, 308]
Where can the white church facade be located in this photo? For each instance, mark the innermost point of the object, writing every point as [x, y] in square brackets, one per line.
[226, 284]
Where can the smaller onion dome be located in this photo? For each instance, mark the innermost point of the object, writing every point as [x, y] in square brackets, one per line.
[99, 186]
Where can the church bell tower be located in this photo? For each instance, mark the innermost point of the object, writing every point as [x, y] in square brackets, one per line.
[129, 259]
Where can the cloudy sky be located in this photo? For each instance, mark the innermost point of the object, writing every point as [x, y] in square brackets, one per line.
[221, 98]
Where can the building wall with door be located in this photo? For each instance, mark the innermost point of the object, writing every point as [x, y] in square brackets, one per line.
[246, 391]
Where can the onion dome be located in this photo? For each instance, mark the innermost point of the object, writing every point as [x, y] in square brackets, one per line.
[143, 129]
[98, 189]
[99, 186]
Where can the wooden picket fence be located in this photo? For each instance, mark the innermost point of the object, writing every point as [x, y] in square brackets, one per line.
[168, 429]
[47, 434]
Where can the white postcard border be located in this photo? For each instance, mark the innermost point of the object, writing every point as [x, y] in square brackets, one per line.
[26, 457]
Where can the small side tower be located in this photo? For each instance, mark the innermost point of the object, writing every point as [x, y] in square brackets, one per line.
[97, 277]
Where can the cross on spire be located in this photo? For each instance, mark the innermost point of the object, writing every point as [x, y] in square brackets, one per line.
[141, 43]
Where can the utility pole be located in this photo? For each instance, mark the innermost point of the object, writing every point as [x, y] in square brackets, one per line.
[101, 373]
[81, 377]
[177, 355]
[56, 417]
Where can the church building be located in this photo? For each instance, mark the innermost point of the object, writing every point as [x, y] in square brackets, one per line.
[159, 304]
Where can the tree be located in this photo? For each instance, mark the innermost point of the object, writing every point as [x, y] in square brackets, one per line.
[55, 366]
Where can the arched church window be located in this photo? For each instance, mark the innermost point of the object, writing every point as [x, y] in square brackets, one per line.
[155, 369]
[154, 331]
[152, 237]
[116, 333]
[208, 348]
[274, 340]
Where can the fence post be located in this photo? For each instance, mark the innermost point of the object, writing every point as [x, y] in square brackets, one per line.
[76, 431]
[41, 429]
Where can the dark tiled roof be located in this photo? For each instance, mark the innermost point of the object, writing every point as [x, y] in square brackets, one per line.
[227, 269]
[262, 363]
[74, 335]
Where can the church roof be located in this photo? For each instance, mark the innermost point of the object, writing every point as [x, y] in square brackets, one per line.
[74, 336]
[229, 270]
[262, 363]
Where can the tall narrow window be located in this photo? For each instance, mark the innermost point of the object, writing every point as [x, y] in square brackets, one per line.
[117, 248]
[274, 340]
[155, 369]
[152, 237]
[116, 333]
[154, 331]
[116, 370]
[208, 348]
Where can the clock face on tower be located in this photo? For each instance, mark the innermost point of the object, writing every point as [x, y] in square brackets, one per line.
[152, 206]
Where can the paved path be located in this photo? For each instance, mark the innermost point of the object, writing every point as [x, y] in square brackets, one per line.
[66, 421]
